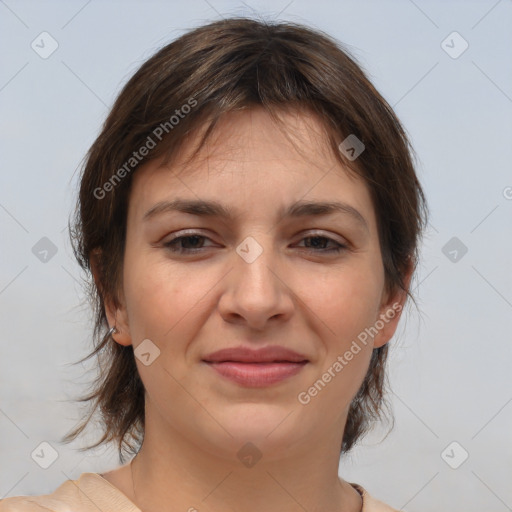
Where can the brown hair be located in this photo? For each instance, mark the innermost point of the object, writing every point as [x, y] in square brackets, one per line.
[229, 65]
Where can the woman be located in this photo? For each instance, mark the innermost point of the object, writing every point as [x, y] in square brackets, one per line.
[251, 216]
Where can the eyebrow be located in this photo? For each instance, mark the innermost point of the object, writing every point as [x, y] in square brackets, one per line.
[298, 209]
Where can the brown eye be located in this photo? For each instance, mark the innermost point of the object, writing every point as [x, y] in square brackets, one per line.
[318, 243]
[186, 244]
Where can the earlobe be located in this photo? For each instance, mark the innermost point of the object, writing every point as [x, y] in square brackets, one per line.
[121, 334]
[390, 312]
[116, 317]
[121, 337]
[388, 319]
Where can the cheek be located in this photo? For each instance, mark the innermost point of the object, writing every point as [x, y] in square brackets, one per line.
[345, 306]
[347, 303]
[164, 300]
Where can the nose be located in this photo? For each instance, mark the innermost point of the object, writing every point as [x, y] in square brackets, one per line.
[257, 291]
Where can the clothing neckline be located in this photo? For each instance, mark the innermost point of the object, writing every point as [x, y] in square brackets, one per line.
[122, 499]
[127, 502]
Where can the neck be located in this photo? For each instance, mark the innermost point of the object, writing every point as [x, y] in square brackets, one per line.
[179, 475]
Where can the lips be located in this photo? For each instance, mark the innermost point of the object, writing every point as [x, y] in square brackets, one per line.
[256, 368]
[269, 354]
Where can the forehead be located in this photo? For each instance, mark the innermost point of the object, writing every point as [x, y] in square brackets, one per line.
[298, 135]
[253, 165]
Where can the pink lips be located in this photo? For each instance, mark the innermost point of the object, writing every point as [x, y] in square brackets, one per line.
[256, 368]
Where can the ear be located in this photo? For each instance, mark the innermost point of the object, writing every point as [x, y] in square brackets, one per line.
[116, 316]
[390, 312]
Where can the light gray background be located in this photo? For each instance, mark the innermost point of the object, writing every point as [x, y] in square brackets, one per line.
[450, 366]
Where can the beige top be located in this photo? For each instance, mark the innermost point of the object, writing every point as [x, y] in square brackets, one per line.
[91, 493]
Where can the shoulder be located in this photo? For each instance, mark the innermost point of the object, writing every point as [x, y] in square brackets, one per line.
[89, 493]
[21, 504]
[370, 504]
[18, 504]
[66, 493]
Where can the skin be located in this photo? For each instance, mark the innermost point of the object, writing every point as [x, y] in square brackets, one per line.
[293, 294]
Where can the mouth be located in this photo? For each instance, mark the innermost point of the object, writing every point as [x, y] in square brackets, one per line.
[256, 374]
[245, 354]
[256, 368]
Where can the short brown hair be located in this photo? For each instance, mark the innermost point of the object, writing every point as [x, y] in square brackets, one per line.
[228, 65]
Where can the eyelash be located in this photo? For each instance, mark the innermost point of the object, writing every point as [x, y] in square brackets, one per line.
[172, 243]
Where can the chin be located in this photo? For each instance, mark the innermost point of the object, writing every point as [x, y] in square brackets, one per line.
[269, 427]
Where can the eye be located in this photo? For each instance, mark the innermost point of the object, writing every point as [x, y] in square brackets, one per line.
[319, 241]
[179, 244]
[194, 242]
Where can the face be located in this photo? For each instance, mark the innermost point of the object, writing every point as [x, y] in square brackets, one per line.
[196, 283]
